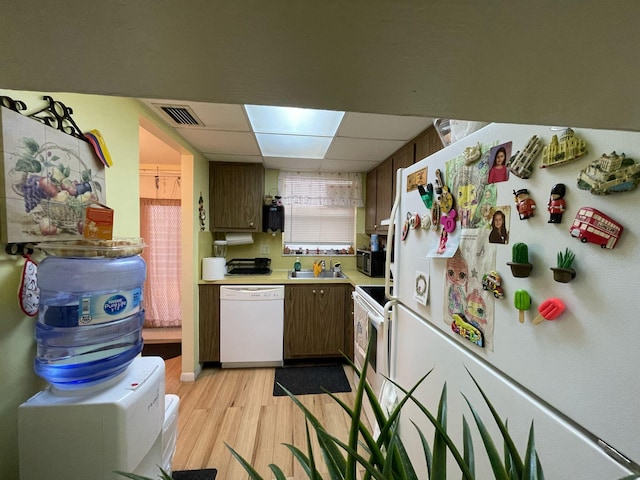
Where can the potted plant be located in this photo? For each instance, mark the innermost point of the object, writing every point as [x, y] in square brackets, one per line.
[563, 271]
[520, 266]
[384, 457]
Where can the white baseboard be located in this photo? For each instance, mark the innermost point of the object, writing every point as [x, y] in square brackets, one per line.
[191, 376]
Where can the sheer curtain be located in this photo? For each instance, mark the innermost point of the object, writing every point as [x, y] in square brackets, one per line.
[160, 228]
[326, 189]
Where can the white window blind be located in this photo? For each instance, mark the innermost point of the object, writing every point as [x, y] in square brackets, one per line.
[320, 208]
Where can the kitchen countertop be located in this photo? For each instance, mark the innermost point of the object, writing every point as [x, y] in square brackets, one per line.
[280, 277]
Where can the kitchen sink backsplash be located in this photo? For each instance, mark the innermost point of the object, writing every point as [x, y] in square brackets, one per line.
[280, 261]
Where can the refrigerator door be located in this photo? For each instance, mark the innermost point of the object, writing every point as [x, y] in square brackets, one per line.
[581, 364]
[564, 450]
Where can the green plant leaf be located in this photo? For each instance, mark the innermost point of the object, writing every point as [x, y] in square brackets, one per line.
[531, 464]
[371, 469]
[439, 468]
[165, 475]
[336, 465]
[253, 474]
[425, 448]
[513, 451]
[467, 443]
[508, 462]
[405, 461]
[277, 472]
[302, 459]
[312, 462]
[494, 457]
[466, 474]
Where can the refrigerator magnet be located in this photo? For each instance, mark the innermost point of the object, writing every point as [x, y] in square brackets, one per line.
[421, 290]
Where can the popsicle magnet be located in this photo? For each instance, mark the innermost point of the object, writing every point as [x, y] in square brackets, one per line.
[522, 302]
[550, 309]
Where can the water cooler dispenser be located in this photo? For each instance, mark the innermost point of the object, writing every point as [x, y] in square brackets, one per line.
[105, 409]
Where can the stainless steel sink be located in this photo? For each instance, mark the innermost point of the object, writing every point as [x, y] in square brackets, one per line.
[308, 275]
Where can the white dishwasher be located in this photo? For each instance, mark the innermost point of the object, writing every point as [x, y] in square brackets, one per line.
[251, 325]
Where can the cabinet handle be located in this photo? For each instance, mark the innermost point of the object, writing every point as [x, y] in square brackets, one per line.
[251, 224]
[321, 292]
[314, 291]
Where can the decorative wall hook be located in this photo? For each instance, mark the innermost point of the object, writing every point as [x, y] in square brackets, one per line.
[11, 104]
[58, 115]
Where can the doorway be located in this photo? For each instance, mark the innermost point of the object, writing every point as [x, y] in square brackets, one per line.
[160, 226]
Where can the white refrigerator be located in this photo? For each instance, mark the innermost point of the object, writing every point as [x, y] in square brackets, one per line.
[575, 377]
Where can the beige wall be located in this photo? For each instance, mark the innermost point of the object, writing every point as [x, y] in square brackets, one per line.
[118, 120]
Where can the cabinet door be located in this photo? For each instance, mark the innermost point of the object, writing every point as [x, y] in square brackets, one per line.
[403, 158]
[427, 143]
[314, 324]
[348, 321]
[330, 308]
[236, 192]
[209, 323]
[384, 193]
[370, 215]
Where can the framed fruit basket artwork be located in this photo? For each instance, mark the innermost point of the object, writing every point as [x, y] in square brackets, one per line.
[48, 178]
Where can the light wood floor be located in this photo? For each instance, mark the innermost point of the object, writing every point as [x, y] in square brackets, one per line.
[237, 406]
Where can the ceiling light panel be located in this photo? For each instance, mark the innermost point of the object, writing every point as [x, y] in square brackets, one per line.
[292, 146]
[293, 121]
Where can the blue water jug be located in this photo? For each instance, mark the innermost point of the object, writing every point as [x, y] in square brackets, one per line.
[89, 326]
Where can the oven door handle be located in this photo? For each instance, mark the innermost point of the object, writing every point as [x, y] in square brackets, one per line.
[376, 320]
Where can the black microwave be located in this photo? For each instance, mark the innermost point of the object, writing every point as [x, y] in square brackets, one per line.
[370, 263]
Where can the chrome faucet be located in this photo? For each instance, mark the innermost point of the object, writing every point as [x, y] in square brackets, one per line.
[323, 265]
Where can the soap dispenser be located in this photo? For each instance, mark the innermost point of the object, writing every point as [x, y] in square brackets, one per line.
[297, 266]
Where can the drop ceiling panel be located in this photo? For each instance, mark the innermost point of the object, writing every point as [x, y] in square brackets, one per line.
[356, 166]
[216, 116]
[389, 127]
[301, 164]
[362, 149]
[221, 116]
[223, 142]
[219, 157]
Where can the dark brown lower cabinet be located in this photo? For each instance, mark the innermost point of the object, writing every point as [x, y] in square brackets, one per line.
[317, 321]
[209, 333]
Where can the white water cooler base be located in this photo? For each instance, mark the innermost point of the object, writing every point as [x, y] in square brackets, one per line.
[169, 431]
[75, 435]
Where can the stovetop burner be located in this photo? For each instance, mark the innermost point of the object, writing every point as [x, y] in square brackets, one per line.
[375, 292]
[249, 266]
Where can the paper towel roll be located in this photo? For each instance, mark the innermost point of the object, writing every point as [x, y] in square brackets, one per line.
[213, 268]
[239, 238]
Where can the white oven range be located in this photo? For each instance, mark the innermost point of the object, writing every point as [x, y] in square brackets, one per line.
[370, 322]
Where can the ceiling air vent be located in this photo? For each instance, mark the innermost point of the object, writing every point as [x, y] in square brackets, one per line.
[181, 115]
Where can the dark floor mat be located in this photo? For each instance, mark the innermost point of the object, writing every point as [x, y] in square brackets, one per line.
[205, 474]
[164, 350]
[306, 380]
